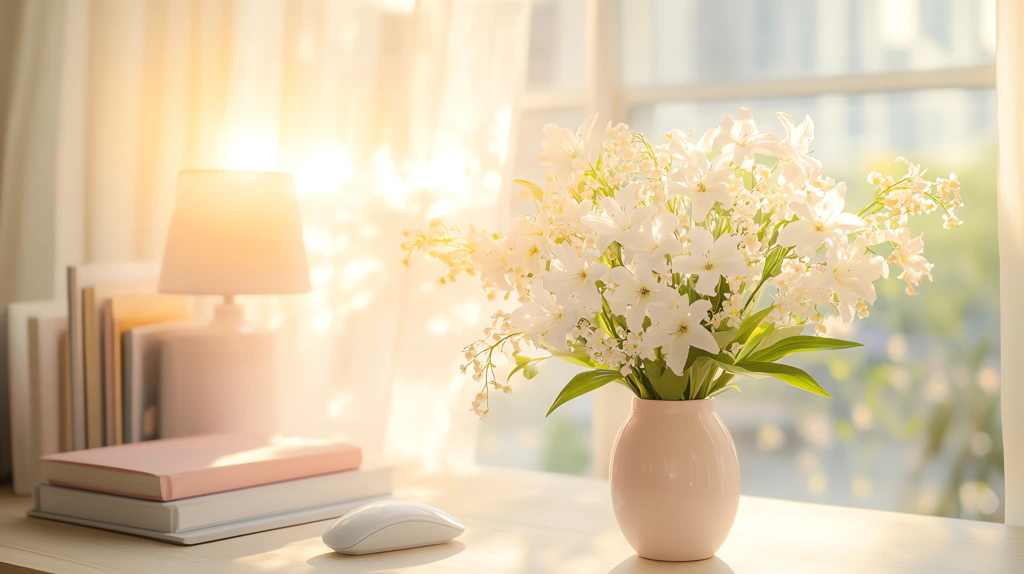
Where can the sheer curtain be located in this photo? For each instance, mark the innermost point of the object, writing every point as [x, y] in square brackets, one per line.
[389, 112]
[1010, 109]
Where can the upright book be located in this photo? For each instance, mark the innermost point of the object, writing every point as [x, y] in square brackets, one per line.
[79, 278]
[46, 361]
[99, 408]
[119, 314]
[19, 387]
[140, 372]
[171, 469]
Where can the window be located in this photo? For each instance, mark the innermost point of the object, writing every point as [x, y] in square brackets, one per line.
[914, 425]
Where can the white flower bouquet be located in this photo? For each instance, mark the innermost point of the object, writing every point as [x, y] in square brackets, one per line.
[673, 268]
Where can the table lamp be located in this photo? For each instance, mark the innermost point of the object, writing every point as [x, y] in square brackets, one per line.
[231, 233]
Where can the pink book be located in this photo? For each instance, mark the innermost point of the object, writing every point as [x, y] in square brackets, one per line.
[171, 469]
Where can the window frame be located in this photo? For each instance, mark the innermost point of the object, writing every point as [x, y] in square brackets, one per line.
[605, 94]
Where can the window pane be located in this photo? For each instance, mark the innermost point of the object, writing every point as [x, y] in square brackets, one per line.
[692, 41]
[914, 425]
[556, 45]
[516, 433]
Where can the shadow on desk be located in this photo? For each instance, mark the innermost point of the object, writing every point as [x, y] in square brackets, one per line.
[386, 561]
[637, 565]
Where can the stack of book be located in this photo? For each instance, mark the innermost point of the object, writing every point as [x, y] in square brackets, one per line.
[84, 372]
[203, 488]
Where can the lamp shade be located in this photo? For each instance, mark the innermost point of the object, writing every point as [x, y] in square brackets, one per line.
[235, 233]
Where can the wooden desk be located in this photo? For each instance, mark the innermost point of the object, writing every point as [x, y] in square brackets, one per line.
[521, 521]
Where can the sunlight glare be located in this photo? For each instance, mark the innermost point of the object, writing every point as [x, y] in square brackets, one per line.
[251, 152]
[900, 23]
[389, 184]
[323, 172]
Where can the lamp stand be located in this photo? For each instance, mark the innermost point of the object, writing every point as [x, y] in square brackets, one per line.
[219, 378]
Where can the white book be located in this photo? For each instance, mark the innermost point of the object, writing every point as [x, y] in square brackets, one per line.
[19, 388]
[215, 509]
[80, 277]
[45, 333]
[229, 530]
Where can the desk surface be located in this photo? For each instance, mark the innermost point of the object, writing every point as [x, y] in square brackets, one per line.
[521, 521]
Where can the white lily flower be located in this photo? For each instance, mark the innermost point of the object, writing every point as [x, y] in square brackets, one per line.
[914, 174]
[567, 152]
[635, 293]
[491, 260]
[572, 213]
[544, 318]
[711, 259]
[528, 243]
[576, 277]
[676, 330]
[653, 243]
[798, 136]
[702, 185]
[623, 213]
[824, 220]
[853, 273]
[682, 144]
[741, 140]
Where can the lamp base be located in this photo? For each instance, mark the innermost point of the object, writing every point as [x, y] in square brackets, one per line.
[219, 378]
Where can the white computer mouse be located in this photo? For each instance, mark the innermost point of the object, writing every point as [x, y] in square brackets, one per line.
[388, 525]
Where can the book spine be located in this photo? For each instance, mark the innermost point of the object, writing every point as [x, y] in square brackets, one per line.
[166, 488]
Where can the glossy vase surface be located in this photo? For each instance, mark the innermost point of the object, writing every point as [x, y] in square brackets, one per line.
[675, 479]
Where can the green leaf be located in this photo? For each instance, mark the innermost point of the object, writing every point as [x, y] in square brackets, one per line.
[772, 267]
[696, 353]
[575, 357]
[723, 389]
[667, 384]
[582, 384]
[536, 190]
[533, 369]
[526, 364]
[724, 338]
[700, 373]
[799, 344]
[755, 339]
[749, 324]
[780, 334]
[785, 373]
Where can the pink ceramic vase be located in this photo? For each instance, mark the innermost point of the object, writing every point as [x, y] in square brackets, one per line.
[675, 479]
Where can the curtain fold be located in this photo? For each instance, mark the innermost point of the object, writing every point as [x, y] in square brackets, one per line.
[1010, 126]
[389, 114]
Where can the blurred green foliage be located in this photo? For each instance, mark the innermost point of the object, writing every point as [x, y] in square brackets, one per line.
[927, 378]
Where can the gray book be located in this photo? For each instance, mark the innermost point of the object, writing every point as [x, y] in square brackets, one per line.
[220, 532]
[202, 512]
[140, 384]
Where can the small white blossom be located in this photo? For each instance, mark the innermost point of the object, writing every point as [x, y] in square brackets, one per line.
[637, 251]
[907, 253]
[853, 274]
